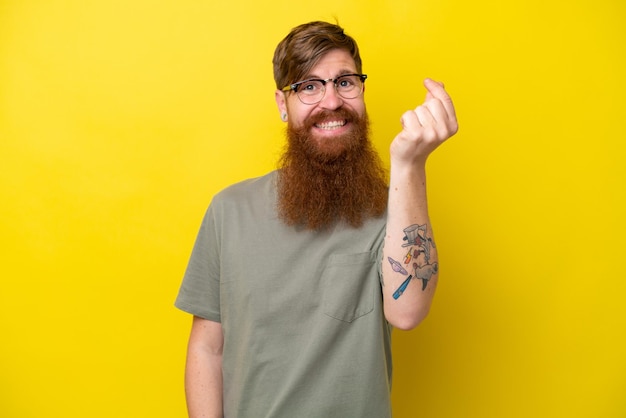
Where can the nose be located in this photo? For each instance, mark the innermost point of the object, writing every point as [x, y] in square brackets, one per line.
[331, 99]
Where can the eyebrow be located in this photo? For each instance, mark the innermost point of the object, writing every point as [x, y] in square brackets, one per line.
[339, 74]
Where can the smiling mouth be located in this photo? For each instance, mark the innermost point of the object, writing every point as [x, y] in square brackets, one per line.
[330, 125]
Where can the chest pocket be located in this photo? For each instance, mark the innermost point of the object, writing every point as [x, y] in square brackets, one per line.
[351, 285]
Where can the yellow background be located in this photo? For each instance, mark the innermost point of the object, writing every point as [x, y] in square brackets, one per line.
[119, 120]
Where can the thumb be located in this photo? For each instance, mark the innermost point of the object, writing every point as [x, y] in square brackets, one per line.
[429, 83]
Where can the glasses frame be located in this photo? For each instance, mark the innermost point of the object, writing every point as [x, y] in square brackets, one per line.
[294, 87]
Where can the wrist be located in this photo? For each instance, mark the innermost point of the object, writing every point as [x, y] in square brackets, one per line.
[410, 169]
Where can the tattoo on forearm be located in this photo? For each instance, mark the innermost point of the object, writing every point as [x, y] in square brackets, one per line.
[402, 287]
[420, 245]
[397, 267]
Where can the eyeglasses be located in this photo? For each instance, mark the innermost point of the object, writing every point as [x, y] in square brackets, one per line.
[348, 86]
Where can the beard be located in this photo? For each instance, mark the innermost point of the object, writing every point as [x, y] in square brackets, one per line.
[324, 182]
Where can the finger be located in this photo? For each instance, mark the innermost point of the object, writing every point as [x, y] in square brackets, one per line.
[410, 121]
[437, 110]
[436, 90]
[425, 116]
[442, 124]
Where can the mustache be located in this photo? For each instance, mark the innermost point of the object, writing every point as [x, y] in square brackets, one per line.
[324, 115]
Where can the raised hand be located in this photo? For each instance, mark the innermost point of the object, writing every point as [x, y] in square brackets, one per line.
[426, 127]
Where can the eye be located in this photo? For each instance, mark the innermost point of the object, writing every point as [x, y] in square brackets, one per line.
[310, 87]
[346, 82]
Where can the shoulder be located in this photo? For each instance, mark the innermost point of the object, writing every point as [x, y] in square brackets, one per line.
[247, 189]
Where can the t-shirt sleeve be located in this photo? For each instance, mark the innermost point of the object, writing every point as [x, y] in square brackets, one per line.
[199, 292]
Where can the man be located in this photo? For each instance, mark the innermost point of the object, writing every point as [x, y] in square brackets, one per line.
[297, 277]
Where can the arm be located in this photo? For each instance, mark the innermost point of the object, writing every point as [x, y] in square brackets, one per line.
[410, 263]
[203, 373]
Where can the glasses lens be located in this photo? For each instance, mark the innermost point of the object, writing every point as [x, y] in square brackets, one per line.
[349, 86]
[311, 92]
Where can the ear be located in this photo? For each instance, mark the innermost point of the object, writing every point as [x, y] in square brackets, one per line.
[281, 102]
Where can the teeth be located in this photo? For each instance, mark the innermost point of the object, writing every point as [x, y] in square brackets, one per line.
[331, 125]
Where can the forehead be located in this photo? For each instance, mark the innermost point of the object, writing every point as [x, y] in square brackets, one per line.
[332, 64]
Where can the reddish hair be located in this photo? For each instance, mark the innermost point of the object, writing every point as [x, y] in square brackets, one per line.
[305, 45]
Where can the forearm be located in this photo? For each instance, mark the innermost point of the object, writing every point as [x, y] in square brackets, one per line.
[203, 372]
[203, 384]
[410, 263]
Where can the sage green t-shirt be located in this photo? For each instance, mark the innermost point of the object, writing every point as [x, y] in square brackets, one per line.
[301, 311]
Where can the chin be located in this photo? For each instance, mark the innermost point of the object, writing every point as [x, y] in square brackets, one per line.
[333, 147]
